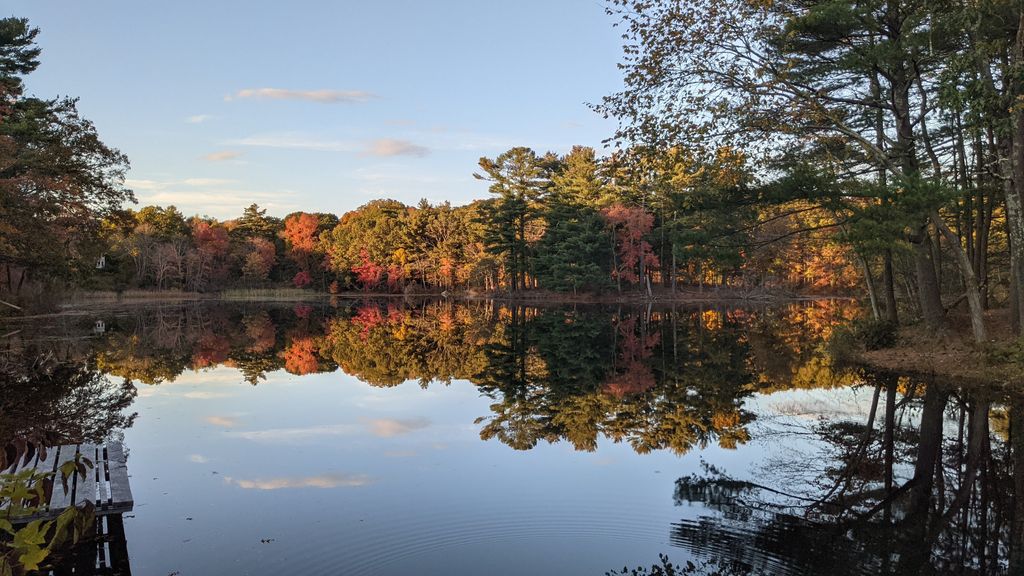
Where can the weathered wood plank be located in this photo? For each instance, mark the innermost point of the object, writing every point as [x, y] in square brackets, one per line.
[85, 486]
[62, 498]
[102, 478]
[120, 490]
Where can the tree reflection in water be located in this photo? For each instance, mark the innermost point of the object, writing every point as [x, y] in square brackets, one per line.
[46, 402]
[923, 483]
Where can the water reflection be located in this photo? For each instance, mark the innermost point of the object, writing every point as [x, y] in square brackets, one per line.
[924, 484]
[656, 379]
[919, 479]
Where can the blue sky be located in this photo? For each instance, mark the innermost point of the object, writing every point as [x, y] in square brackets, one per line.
[323, 106]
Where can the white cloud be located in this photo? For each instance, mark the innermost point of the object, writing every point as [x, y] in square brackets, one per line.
[329, 480]
[388, 428]
[321, 96]
[198, 458]
[223, 421]
[198, 118]
[222, 155]
[392, 147]
[138, 184]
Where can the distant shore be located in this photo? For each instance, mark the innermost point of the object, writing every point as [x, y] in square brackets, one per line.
[74, 302]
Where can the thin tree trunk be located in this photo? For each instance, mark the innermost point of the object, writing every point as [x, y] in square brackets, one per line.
[870, 281]
[971, 282]
[892, 313]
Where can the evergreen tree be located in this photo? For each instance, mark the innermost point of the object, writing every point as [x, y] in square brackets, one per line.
[519, 179]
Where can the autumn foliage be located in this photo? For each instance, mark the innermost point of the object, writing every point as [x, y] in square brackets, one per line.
[631, 225]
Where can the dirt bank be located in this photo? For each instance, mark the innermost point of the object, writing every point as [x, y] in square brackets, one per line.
[952, 354]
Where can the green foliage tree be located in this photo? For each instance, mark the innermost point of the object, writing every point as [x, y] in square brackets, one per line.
[519, 179]
[57, 178]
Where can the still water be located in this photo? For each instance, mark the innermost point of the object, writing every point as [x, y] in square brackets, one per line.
[440, 438]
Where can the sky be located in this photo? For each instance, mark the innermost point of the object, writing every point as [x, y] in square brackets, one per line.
[320, 105]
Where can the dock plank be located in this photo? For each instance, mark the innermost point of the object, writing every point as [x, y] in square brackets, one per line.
[85, 486]
[62, 498]
[120, 489]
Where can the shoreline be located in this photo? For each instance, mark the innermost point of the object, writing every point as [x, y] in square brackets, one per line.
[84, 302]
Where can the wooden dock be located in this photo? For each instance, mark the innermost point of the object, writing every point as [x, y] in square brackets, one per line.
[105, 485]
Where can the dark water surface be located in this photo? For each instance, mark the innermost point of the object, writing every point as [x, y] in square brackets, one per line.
[440, 438]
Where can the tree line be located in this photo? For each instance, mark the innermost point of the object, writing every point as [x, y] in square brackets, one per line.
[572, 223]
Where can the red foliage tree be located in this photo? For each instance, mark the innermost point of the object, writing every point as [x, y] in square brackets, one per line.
[302, 279]
[367, 317]
[396, 278]
[210, 350]
[300, 236]
[633, 375]
[635, 255]
[300, 358]
[209, 238]
[207, 261]
[369, 274]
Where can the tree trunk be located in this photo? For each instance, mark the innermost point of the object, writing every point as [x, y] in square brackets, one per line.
[869, 280]
[928, 293]
[674, 274]
[970, 281]
[892, 313]
[1014, 208]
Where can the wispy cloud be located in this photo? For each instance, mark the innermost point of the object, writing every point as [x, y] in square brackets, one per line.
[292, 434]
[222, 156]
[224, 421]
[215, 197]
[148, 185]
[391, 147]
[198, 118]
[321, 96]
[388, 428]
[296, 142]
[206, 395]
[382, 147]
[329, 480]
[198, 458]
[208, 181]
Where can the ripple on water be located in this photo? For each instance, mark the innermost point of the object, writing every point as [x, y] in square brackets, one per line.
[393, 539]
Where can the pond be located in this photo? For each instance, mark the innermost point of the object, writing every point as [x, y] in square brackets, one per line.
[389, 437]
